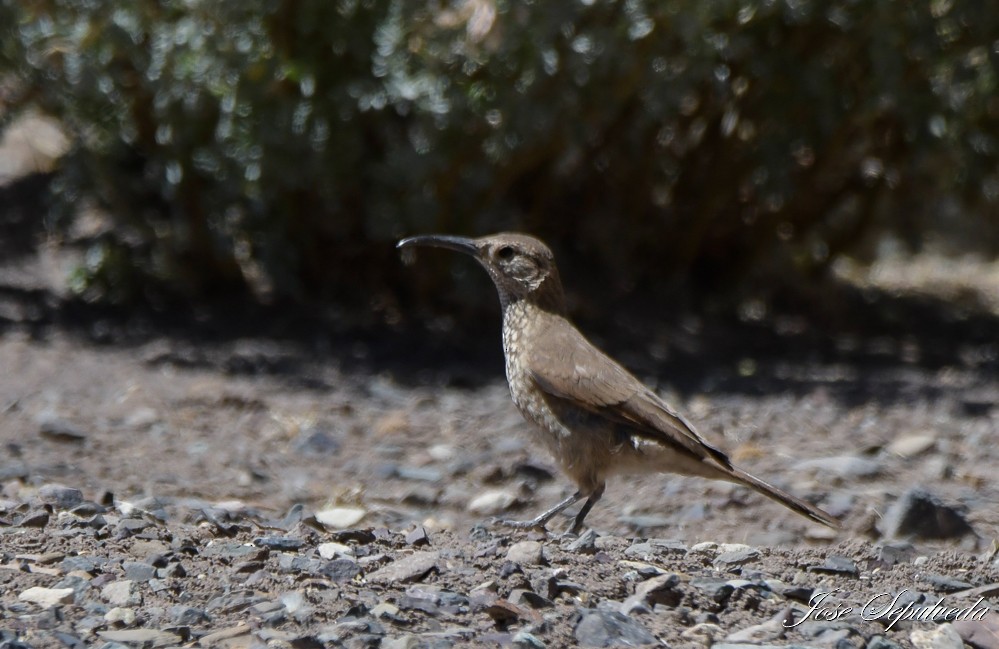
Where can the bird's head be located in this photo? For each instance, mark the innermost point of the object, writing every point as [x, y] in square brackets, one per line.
[522, 267]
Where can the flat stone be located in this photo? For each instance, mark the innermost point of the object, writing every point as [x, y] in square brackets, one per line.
[598, 628]
[843, 466]
[60, 430]
[407, 569]
[945, 584]
[525, 640]
[668, 546]
[526, 553]
[136, 571]
[912, 445]
[737, 557]
[341, 517]
[492, 502]
[280, 543]
[836, 565]
[214, 639]
[47, 597]
[142, 637]
[334, 550]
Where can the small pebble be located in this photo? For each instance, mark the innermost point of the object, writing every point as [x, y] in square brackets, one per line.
[334, 550]
[281, 543]
[737, 557]
[120, 615]
[525, 640]
[341, 517]
[912, 445]
[845, 466]
[836, 565]
[526, 553]
[407, 569]
[492, 502]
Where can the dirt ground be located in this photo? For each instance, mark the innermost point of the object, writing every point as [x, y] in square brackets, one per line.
[239, 477]
[220, 460]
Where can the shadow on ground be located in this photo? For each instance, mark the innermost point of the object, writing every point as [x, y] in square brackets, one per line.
[857, 344]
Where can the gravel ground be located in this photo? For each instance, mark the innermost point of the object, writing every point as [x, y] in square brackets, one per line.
[254, 479]
[164, 486]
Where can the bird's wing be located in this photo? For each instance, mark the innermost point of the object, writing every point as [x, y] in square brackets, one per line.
[567, 366]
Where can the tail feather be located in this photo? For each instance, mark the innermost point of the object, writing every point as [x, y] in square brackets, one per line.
[793, 503]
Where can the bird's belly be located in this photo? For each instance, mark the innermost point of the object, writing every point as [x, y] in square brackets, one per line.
[583, 451]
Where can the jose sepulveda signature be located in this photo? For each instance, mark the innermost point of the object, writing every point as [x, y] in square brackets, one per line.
[893, 608]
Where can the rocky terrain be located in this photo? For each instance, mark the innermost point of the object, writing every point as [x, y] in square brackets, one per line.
[178, 487]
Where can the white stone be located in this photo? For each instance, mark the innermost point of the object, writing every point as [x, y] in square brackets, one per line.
[119, 614]
[526, 553]
[334, 550]
[912, 445]
[121, 593]
[47, 597]
[341, 517]
[842, 466]
[492, 502]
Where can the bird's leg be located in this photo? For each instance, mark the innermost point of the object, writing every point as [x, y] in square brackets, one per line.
[585, 509]
[542, 519]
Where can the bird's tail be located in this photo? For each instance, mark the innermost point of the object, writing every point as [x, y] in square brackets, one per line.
[791, 502]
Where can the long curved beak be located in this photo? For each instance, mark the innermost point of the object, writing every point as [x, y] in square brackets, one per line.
[458, 244]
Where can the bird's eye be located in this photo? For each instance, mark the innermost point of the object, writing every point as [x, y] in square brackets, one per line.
[505, 252]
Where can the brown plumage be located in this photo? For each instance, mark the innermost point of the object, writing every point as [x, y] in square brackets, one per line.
[594, 416]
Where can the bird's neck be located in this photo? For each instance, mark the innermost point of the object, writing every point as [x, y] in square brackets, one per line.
[522, 314]
[549, 296]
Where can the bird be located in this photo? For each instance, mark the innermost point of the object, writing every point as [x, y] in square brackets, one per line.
[595, 418]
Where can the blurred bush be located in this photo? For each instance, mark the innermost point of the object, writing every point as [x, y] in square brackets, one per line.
[283, 145]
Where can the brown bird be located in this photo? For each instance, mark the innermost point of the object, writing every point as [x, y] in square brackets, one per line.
[595, 418]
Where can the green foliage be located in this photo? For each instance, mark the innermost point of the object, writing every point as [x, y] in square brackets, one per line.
[285, 144]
